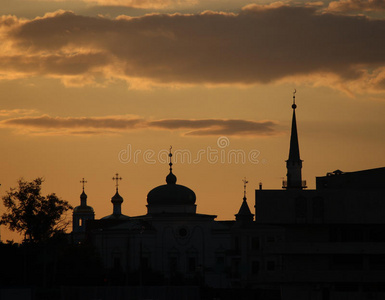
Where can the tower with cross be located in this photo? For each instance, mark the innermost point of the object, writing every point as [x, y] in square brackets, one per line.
[81, 214]
[117, 201]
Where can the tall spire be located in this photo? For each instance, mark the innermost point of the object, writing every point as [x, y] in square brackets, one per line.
[294, 163]
[294, 146]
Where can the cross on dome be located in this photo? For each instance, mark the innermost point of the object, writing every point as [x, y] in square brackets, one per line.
[83, 183]
[117, 178]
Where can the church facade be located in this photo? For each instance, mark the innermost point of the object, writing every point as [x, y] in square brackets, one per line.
[321, 244]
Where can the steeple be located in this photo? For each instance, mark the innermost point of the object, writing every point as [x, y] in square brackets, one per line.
[294, 163]
[244, 214]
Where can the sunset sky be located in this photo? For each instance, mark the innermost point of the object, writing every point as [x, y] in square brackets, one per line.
[89, 88]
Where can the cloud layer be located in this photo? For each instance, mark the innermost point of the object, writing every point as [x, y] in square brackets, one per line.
[46, 125]
[261, 44]
[356, 5]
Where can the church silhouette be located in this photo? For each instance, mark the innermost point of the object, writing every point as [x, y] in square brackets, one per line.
[326, 243]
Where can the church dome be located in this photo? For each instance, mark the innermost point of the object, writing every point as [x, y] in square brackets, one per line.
[171, 197]
[84, 209]
[117, 198]
[171, 193]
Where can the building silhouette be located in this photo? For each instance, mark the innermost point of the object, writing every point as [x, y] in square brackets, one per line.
[326, 243]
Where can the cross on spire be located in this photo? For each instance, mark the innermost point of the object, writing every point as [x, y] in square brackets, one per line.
[83, 182]
[117, 178]
[244, 187]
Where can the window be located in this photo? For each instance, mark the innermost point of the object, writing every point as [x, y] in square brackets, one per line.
[270, 266]
[236, 243]
[377, 262]
[352, 235]
[347, 262]
[255, 267]
[144, 262]
[183, 232]
[220, 263]
[255, 243]
[173, 264]
[300, 208]
[318, 208]
[117, 263]
[191, 264]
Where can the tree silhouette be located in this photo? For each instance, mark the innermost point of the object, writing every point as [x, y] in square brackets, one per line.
[31, 214]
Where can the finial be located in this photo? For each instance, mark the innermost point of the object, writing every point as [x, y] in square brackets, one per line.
[170, 155]
[83, 182]
[171, 178]
[117, 178]
[244, 187]
[294, 106]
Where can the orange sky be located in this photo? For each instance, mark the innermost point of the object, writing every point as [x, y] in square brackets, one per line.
[91, 88]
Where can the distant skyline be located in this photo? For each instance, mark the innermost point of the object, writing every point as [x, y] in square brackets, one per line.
[92, 88]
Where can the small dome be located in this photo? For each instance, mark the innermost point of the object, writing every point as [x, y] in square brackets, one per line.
[171, 178]
[83, 196]
[171, 194]
[84, 209]
[116, 198]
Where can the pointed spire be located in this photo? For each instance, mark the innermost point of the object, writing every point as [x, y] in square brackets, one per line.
[171, 178]
[244, 213]
[294, 145]
[294, 162]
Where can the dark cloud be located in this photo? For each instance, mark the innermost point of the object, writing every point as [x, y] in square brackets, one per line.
[47, 122]
[261, 44]
[357, 5]
[218, 126]
[63, 64]
[107, 125]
